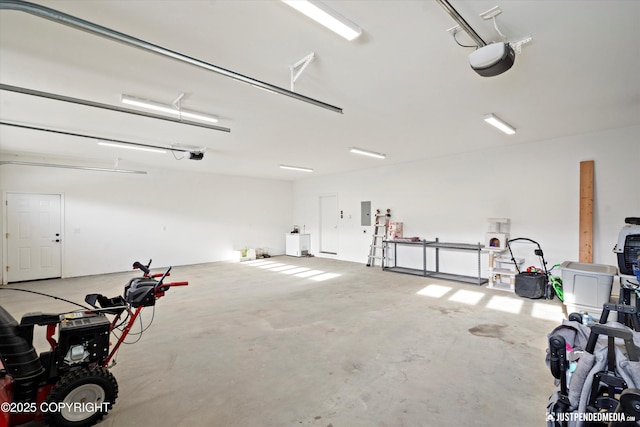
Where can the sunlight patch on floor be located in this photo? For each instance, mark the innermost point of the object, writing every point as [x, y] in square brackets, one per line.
[467, 297]
[295, 270]
[547, 312]
[257, 262]
[283, 267]
[435, 291]
[309, 273]
[272, 265]
[325, 276]
[506, 304]
[292, 270]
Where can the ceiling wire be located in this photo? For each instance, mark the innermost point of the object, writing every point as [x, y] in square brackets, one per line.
[455, 38]
[495, 25]
[461, 21]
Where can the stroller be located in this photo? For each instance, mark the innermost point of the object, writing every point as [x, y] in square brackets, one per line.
[597, 371]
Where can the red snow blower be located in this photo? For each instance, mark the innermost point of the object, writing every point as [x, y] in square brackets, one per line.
[70, 385]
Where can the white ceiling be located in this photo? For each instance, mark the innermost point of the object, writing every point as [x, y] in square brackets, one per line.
[405, 86]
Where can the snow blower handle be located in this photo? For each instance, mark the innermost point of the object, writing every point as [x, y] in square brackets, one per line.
[143, 268]
[177, 284]
[161, 287]
[166, 273]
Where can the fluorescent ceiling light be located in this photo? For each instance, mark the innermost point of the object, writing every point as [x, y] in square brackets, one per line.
[326, 16]
[132, 147]
[296, 168]
[500, 124]
[169, 109]
[367, 153]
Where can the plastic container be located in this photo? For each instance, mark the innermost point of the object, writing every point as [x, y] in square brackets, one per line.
[586, 286]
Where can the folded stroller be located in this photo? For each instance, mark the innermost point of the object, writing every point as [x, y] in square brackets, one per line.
[597, 371]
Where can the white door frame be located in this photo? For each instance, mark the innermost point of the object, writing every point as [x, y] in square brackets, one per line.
[320, 243]
[5, 230]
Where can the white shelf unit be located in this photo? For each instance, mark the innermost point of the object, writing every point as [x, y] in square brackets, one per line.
[503, 271]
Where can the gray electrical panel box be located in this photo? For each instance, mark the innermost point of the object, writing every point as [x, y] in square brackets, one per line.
[365, 213]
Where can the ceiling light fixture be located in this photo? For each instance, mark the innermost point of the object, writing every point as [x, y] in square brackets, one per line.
[495, 121]
[110, 107]
[132, 147]
[367, 153]
[296, 168]
[169, 109]
[326, 16]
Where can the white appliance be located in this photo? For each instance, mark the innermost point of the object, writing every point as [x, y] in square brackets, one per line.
[297, 244]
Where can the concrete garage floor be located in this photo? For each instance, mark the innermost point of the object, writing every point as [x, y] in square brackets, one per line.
[329, 344]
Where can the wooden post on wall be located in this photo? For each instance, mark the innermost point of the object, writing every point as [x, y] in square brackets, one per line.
[586, 211]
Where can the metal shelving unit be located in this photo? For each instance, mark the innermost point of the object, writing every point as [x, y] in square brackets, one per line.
[436, 245]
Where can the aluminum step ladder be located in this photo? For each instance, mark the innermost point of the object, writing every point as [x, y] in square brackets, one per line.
[376, 250]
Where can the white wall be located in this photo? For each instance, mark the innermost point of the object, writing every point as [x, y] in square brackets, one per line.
[183, 218]
[112, 219]
[536, 185]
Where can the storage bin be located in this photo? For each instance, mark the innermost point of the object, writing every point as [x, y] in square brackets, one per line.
[587, 287]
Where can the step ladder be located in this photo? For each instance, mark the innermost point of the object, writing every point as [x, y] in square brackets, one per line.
[376, 251]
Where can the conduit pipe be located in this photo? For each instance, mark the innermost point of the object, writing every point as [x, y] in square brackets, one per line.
[96, 138]
[90, 27]
[55, 165]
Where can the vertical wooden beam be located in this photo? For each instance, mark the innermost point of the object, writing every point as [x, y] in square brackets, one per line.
[586, 211]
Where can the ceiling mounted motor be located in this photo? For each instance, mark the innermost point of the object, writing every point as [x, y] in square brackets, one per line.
[487, 60]
[492, 59]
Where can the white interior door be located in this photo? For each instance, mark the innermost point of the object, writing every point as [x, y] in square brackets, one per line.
[34, 239]
[329, 224]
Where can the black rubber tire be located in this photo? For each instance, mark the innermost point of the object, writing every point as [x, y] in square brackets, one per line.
[630, 403]
[551, 293]
[95, 387]
[576, 317]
